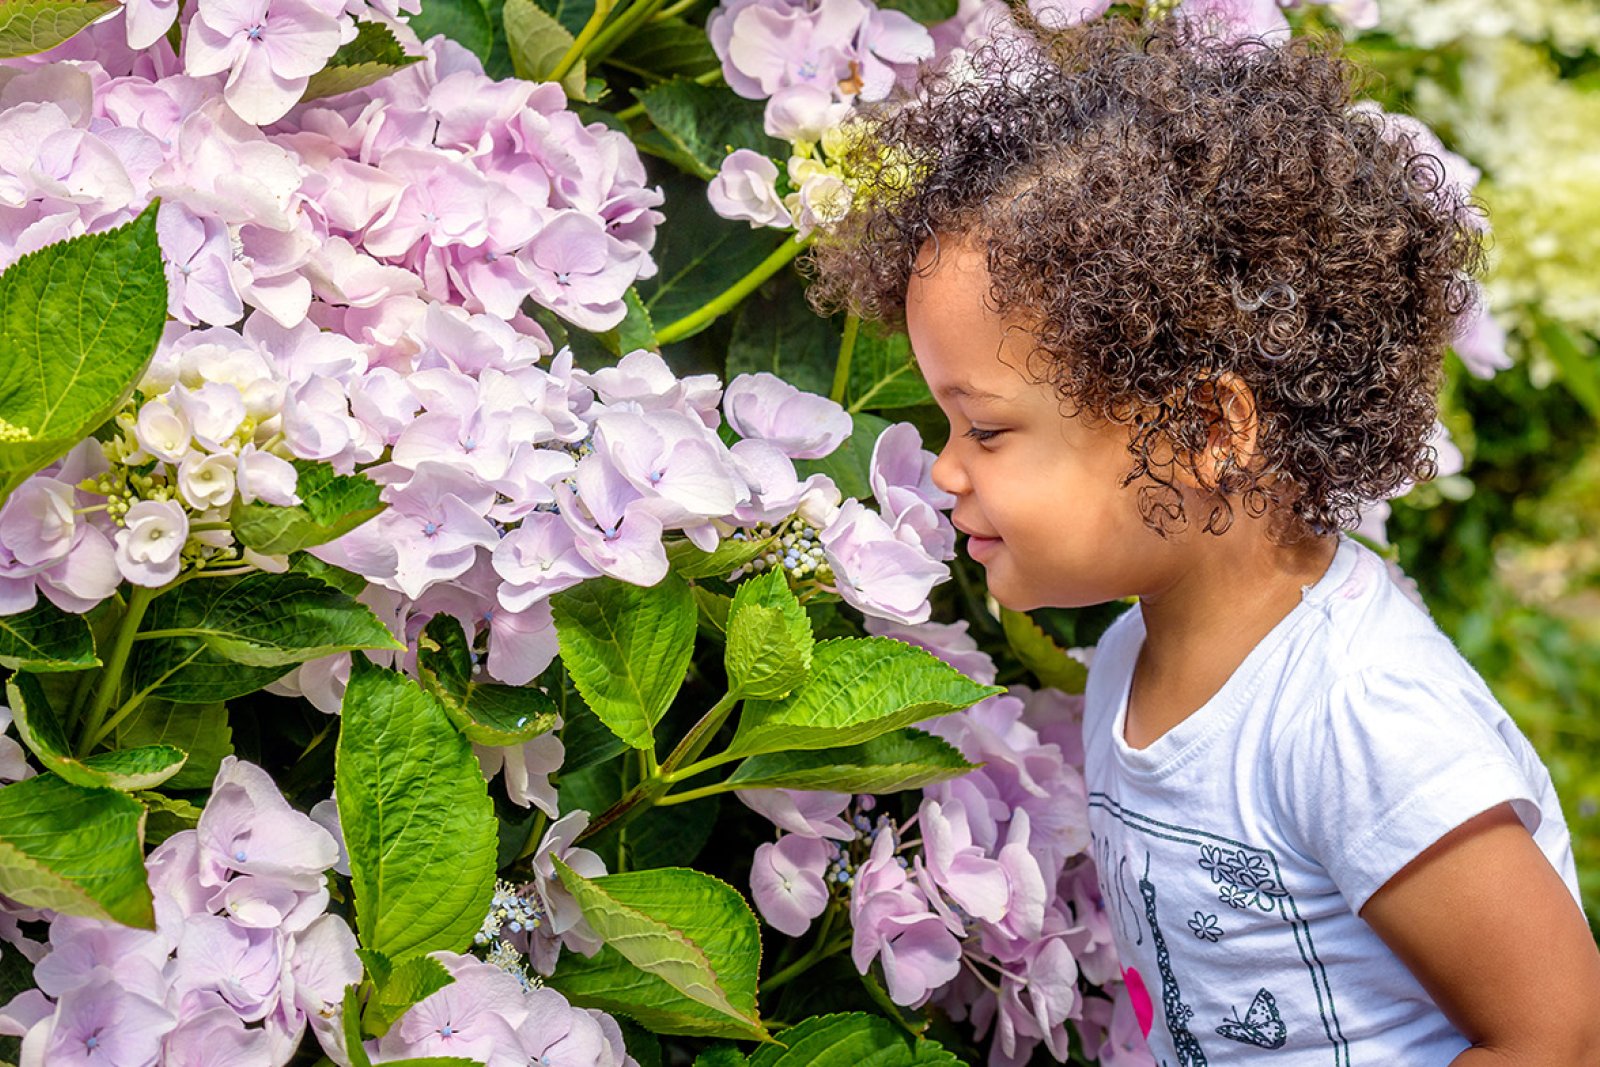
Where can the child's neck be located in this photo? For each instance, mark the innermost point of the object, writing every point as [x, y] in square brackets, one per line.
[1229, 593]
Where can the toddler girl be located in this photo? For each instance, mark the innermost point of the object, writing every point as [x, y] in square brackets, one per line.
[1184, 308]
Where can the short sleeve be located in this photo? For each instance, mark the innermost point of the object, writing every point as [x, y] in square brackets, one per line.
[1390, 764]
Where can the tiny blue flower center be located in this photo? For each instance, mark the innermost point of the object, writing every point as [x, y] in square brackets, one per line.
[469, 444]
[91, 1043]
[656, 476]
[563, 277]
[254, 32]
[430, 528]
[239, 856]
[445, 1030]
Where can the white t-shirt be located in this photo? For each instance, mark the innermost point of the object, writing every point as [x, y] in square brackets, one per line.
[1236, 850]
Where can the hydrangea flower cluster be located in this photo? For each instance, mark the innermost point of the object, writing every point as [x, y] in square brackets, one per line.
[242, 958]
[992, 912]
[383, 243]
[488, 1016]
[508, 483]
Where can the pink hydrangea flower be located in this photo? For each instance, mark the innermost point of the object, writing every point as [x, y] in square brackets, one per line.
[269, 48]
[786, 881]
[746, 187]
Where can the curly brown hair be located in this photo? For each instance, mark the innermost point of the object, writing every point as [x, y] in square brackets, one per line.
[1158, 210]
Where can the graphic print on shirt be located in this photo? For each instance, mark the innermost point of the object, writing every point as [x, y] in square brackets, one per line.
[1178, 1014]
[1189, 882]
[1261, 1026]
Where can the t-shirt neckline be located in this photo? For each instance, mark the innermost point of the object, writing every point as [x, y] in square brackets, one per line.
[1189, 738]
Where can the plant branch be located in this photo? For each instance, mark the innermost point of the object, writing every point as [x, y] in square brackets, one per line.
[111, 674]
[690, 795]
[820, 950]
[699, 736]
[841, 368]
[619, 31]
[729, 298]
[576, 52]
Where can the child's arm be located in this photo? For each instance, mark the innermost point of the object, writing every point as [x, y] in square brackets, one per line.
[1488, 927]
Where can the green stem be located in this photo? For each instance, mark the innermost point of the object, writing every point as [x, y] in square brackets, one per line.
[841, 368]
[131, 705]
[689, 795]
[729, 298]
[640, 798]
[699, 736]
[531, 845]
[576, 52]
[673, 10]
[621, 29]
[820, 950]
[702, 766]
[111, 674]
[628, 114]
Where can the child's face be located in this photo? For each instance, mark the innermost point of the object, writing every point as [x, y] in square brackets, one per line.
[1038, 491]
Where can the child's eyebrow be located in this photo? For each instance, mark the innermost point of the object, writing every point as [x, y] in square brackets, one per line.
[967, 392]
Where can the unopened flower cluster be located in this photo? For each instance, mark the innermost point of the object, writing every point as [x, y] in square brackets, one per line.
[984, 901]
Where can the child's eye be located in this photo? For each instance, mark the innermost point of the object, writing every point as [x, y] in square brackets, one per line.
[980, 435]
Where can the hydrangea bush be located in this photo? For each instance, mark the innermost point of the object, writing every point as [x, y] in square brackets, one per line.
[458, 604]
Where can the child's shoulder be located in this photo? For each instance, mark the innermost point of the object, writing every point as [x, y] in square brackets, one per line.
[1366, 629]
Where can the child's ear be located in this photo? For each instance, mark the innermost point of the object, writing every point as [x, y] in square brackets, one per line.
[1232, 434]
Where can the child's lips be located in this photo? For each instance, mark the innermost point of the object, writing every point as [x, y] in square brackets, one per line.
[978, 545]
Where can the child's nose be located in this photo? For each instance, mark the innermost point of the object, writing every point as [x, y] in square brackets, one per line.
[948, 475]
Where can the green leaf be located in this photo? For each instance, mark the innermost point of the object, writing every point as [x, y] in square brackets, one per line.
[627, 649]
[326, 573]
[407, 982]
[903, 759]
[883, 374]
[350, 1023]
[466, 22]
[859, 689]
[1048, 661]
[201, 730]
[573, 14]
[926, 12]
[75, 850]
[373, 54]
[669, 48]
[537, 44]
[711, 608]
[586, 739]
[777, 332]
[417, 818]
[637, 330]
[720, 1056]
[225, 637]
[687, 561]
[487, 714]
[45, 639]
[849, 464]
[853, 1040]
[1580, 369]
[28, 27]
[79, 321]
[138, 768]
[331, 505]
[696, 126]
[769, 638]
[702, 254]
[681, 956]
[166, 816]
